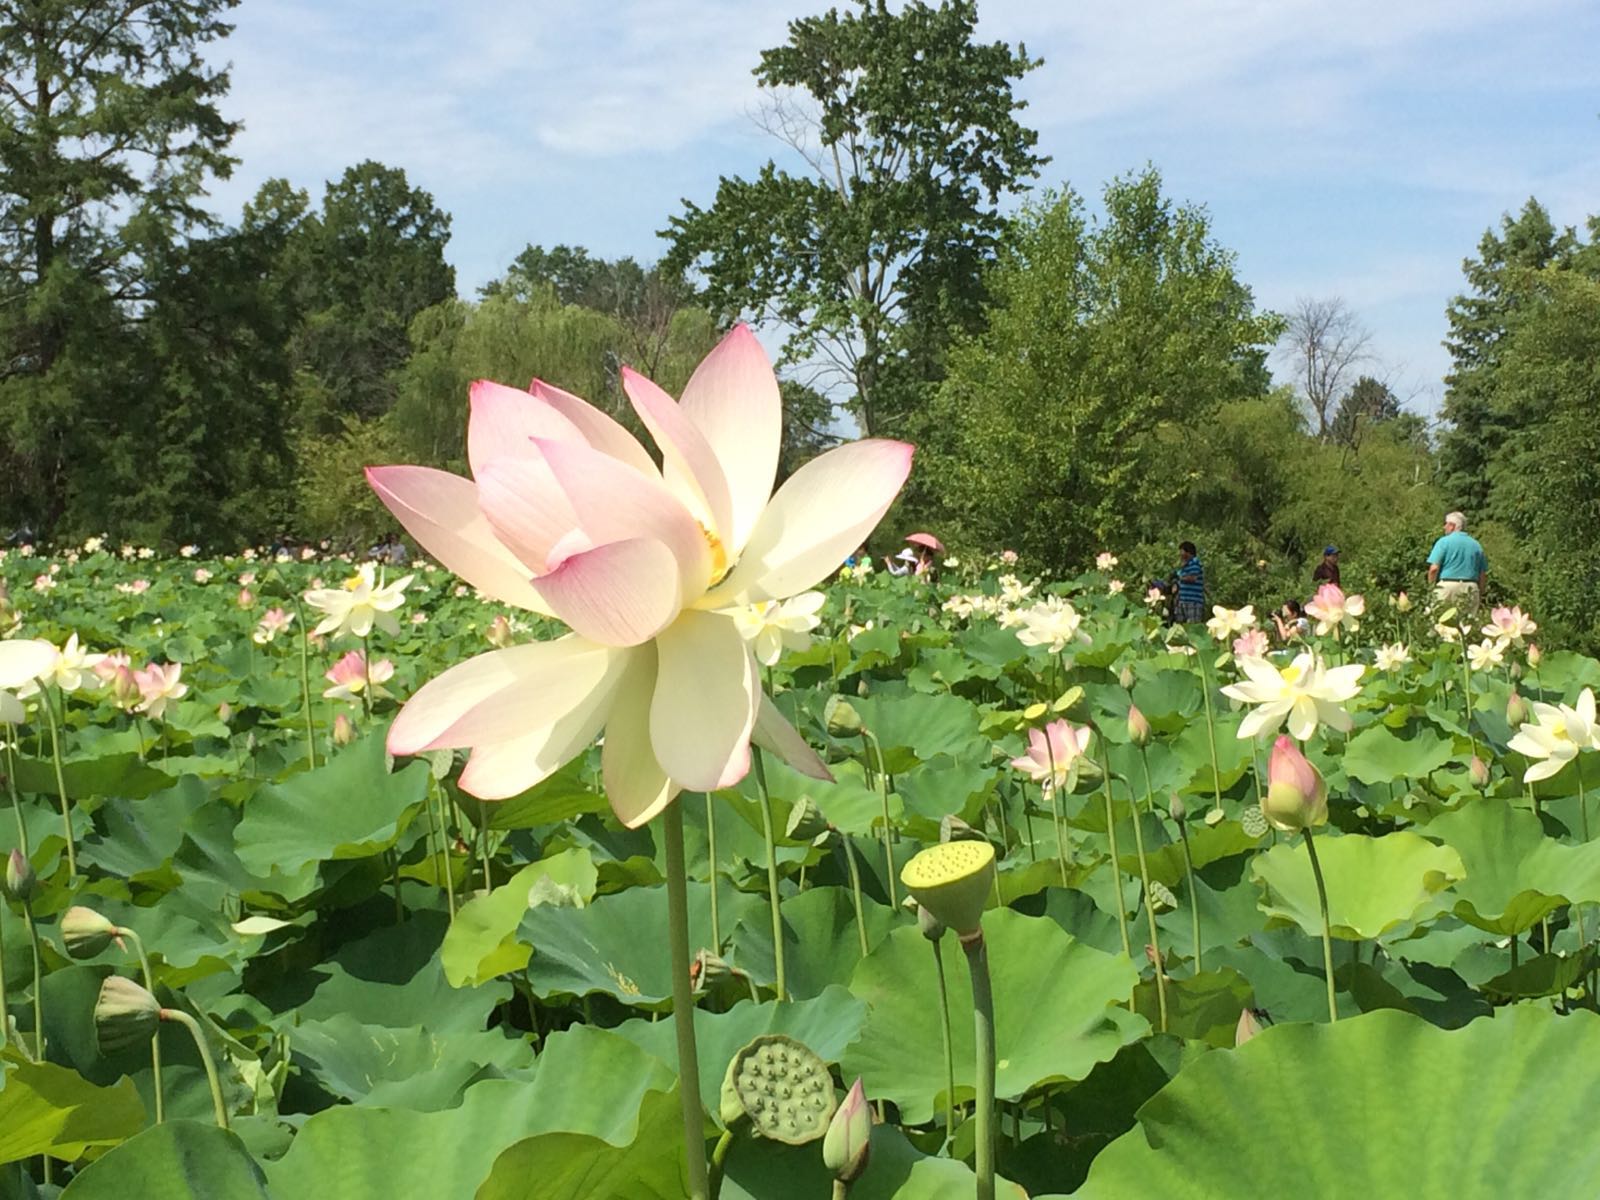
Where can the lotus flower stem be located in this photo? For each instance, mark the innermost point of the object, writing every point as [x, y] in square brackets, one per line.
[694, 1142]
[855, 892]
[61, 782]
[1116, 869]
[155, 1042]
[1327, 929]
[1466, 682]
[438, 827]
[949, 1048]
[305, 686]
[483, 845]
[719, 1160]
[1049, 786]
[1027, 816]
[883, 795]
[38, 987]
[711, 863]
[1211, 730]
[983, 1043]
[366, 675]
[16, 801]
[772, 869]
[1194, 898]
[1144, 880]
[198, 1034]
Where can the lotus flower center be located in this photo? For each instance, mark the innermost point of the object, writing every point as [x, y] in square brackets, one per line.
[719, 557]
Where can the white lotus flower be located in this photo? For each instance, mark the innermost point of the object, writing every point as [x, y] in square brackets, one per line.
[1487, 654]
[1306, 692]
[362, 602]
[773, 626]
[1391, 658]
[1226, 622]
[1556, 735]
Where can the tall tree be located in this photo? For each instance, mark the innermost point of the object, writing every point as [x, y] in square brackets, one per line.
[1325, 344]
[1369, 402]
[109, 128]
[870, 255]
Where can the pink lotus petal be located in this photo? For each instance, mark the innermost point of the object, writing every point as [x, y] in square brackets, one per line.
[690, 466]
[618, 594]
[524, 504]
[705, 702]
[504, 419]
[441, 511]
[773, 732]
[636, 786]
[820, 514]
[732, 398]
[598, 429]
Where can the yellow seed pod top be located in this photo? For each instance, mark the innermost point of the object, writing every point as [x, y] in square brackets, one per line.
[952, 881]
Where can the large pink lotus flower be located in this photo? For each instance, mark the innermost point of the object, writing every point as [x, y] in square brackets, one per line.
[350, 676]
[1055, 754]
[1509, 625]
[568, 515]
[1332, 609]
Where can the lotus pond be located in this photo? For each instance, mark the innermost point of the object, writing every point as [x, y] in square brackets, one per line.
[402, 991]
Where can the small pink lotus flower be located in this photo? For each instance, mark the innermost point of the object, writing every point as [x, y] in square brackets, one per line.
[350, 677]
[1055, 753]
[159, 684]
[125, 690]
[247, 598]
[1250, 644]
[110, 664]
[344, 730]
[1008, 557]
[1509, 625]
[1296, 798]
[1333, 609]
[273, 622]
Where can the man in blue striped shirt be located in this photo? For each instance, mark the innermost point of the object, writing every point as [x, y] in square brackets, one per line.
[1191, 604]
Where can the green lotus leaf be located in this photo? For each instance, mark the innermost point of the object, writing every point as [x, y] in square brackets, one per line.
[401, 1068]
[1055, 1014]
[181, 1160]
[1380, 1105]
[482, 943]
[1379, 755]
[1374, 884]
[821, 945]
[47, 1109]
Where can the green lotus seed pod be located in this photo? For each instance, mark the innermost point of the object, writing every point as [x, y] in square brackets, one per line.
[125, 1015]
[1254, 822]
[806, 821]
[730, 1108]
[782, 1087]
[842, 718]
[952, 881]
[86, 933]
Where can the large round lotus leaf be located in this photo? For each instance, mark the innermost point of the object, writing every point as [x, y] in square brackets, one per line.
[925, 725]
[1374, 884]
[1380, 1105]
[482, 943]
[47, 1109]
[399, 1068]
[1378, 755]
[181, 1160]
[821, 945]
[1054, 1018]
[1515, 874]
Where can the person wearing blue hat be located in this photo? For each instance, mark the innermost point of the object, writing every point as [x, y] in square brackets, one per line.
[1328, 569]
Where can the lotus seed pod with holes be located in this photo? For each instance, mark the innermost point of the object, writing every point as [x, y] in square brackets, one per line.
[952, 881]
[125, 1015]
[841, 717]
[1161, 897]
[85, 932]
[1254, 822]
[806, 821]
[782, 1087]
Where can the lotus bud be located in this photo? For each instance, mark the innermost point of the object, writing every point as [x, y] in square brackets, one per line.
[86, 933]
[247, 598]
[224, 712]
[806, 822]
[1516, 711]
[1246, 1029]
[1177, 808]
[1535, 656]
[952, 881]
[499, 632]
[1402, 603]
[929, 925]
[21, 882]
[1126, 678]
[1138, 726]
[1297, 797]
[125, 688]
[842, 718]
[344, 731]
[125, 1015]
[849, 1138]
[1479, 770]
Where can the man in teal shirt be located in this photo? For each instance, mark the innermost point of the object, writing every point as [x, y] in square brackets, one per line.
[1458, 568]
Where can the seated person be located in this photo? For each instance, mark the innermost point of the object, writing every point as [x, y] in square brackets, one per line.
[1292, 621]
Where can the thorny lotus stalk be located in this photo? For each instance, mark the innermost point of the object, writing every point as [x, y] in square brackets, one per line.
[694, 1142]
[1144, 879]
[1327, 929]
[760, 771]
[182, 1018]
[61, 782]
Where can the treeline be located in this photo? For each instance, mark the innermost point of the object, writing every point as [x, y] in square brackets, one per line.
[1075, 378]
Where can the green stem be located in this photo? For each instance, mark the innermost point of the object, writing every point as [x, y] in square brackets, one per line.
[983, 1063]
[1327, 929]
[888, 842]
[61, 782]
[694, 1142]
[1144, 880]
[305, 686]
[772, 868]
[711, 860]
[1116, 868]
[483, 847]
[1194, 896]
[198, 1034]
[855, 892]
[1053, 787]
[841, 1190]
[719, 1160]
[155, 1042]
[1466, 681]
[1027, 816]
[16, 802]
[1211, 730]
[5, 1003]
[366, 676]
[436, 818]
[38, 984]
[949, 1047]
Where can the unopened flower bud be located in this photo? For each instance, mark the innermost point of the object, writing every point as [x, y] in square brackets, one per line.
[1402, 603]
[1297, 797]
[1138, 726]
[842, 718]
[125, 1015]
[344, 731]
[125, 688]
[1479, 770]
[1535, 655]
[1246, 1029]
[499, 632]
[1177, 808]
[86, 933]
[849, 1138]
[1125, 678]
[247, 598]
[1516, 710]
[224, 712]
[21, 882]
[953, 829]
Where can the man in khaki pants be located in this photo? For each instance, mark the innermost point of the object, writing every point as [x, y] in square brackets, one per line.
[1458, 568]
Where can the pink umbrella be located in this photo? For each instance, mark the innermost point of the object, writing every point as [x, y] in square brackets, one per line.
[928, 540]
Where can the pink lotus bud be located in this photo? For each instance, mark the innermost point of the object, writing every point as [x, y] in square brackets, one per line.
[21, 882]
[224, 712]
[247, 598]
[1479, 770]
[1246, 1029]
[1126, 678]
[125, 691]
[849, 1136]
[1138, 726]
[1297, 797]
[499, 632]
[344, 730]
[1516, 711]
[1402, 603]
[1535, 655]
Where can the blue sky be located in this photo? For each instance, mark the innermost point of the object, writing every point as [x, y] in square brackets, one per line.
[1355, 150]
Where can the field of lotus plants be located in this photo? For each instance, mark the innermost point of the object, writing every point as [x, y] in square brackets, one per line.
[771, 880]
